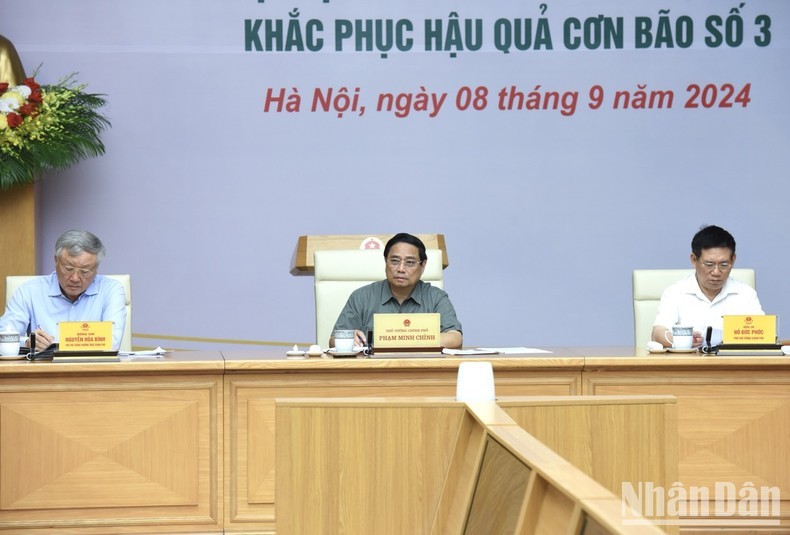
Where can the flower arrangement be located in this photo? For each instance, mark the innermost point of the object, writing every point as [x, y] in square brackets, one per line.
[46, 127]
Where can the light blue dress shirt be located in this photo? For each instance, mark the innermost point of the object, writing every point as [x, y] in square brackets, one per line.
[40, 302]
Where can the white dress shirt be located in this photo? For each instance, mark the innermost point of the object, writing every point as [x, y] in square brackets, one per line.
[683, 303]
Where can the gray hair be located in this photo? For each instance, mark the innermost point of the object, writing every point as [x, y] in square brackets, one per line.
[76, 242]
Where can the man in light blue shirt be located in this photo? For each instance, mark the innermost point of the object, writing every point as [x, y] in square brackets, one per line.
[73, 292]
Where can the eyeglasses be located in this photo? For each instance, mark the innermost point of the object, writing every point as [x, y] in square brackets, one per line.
[70, 270]
[409, 263]
[711, 266]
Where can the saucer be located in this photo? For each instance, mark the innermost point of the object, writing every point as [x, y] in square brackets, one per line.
[332, 352]
[12, 357]
[692, 350]
[295, 355]
[315, 350]
[662, 350]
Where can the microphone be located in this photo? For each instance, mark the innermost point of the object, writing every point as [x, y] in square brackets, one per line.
[369, 349]
[706, 347]
[31, 354]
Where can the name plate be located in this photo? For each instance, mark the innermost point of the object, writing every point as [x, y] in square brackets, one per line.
[406, 332]
[85, 336]
[749, 329]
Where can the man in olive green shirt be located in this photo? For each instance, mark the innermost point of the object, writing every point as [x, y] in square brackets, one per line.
[401, 292]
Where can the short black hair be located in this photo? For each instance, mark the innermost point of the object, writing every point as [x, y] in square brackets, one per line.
[403, 237]
[710, 237]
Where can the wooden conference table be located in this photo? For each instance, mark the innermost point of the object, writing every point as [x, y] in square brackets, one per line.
[186, 443]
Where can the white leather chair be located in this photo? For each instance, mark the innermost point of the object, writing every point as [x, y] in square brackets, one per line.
[12, 282]
[649, 284]
[340, 272]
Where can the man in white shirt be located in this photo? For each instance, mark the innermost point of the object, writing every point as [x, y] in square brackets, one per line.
[702, 298]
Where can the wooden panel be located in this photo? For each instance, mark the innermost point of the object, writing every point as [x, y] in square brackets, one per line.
[111, 453]
[621, 440]
[733, 426]
[67, 463]
[592, 527]
[555, 512]
[459, 483]
[605, 515]
[499, 493]
[559, 493]
[363, 469]
[379, 465]
[303, 260]
[18, 239]
[250, 436]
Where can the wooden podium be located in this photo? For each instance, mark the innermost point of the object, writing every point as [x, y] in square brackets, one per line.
[434, 465]
[306, 246]
[18, 239]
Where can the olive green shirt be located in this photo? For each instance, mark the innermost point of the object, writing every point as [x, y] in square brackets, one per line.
[376, 298]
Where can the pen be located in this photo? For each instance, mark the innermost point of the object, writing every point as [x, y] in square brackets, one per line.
[42, 333]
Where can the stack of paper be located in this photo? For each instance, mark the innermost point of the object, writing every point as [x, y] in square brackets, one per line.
[157, 353]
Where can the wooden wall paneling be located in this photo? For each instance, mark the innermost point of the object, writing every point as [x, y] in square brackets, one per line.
[250, 427]
[733, 425]
[119, 454]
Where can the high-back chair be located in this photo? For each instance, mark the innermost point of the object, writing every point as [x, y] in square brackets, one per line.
[649, 284]
[12, 282]
[340, 272]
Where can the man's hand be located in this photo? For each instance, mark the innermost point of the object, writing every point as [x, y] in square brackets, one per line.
[43, 339]
[697, 339]
[360, 339]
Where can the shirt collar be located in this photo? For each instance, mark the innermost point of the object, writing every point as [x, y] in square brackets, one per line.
[692, 287]
[54, 287]
[416, 293]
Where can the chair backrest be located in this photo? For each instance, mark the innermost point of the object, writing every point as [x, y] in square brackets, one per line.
[649, 284]
[340, 272]
[12, 282]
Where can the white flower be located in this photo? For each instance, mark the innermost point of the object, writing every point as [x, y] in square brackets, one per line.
[22, 90]
[8, 105]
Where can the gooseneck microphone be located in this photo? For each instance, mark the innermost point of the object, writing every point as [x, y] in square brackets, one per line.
[31, 354]
[706, 347]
